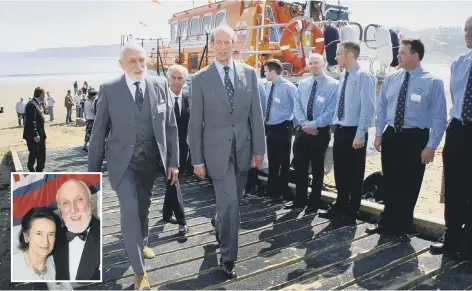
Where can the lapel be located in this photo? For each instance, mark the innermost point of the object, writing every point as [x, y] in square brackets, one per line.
[239, 83]
[128, 102]
[185, 104]
[219, 87]
[151, 90]
[38, 108]
[61, 256]
[88, 261]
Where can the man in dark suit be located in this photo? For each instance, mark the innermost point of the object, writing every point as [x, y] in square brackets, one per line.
[77, 249]
[34, 132]
[173, 202]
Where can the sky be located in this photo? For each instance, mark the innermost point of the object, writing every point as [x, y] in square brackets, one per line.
[35, 24]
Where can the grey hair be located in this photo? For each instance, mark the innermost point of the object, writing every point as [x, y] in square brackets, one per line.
[80, 182]
[131, 46]
[180, 68]
[224, 27]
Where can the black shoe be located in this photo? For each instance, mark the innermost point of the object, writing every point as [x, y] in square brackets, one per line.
[402, 238]
[183, 229]
[310, 210]
[293, 206]
[438, 247]
[171, 220]
[213, 222]
[376, 228]
[329, 214]
[228, 268]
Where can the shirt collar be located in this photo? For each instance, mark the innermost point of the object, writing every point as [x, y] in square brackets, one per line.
[220, 66]
[131, 82]
[354, 69]
[173, 95]
[319, 78]
[279, 80]
[415, 71]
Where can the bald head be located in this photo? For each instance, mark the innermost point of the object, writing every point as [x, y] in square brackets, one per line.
[75, 204]
[316, 64]
[468, 32]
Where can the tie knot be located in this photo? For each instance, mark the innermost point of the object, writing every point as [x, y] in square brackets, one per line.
[226, 69]
[407, 74]
[347, 74]
[137, 83]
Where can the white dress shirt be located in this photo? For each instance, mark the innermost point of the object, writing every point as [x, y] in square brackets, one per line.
[76, 247]
[50, 101]
[179, 100]
[132, 87]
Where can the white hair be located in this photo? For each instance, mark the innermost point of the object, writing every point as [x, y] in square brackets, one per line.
[316, 56]
[131, 46]
[80, 182]
[224, 27]
[180, 68]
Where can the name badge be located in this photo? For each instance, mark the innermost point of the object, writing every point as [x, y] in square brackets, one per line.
[415, 98]
[320, 99]
[161, 108]
[277, 100]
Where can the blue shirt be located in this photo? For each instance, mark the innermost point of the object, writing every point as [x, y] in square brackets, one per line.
[425, 105]
[323, 104]
[460, 69]
[262, 97]
[221, 70]
[359, 100]
[282, 102]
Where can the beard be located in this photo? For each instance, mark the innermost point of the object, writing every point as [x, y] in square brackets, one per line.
[81, 228]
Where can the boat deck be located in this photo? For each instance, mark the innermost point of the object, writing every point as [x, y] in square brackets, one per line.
[279, 249]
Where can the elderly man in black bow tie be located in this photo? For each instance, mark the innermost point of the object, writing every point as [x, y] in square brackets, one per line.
[77, 252]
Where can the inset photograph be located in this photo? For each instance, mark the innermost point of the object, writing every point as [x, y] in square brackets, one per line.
[56, 227]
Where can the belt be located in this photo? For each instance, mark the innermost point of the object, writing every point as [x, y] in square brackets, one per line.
[408, 129]
[342, 126]
[463, 122]
[285, 123]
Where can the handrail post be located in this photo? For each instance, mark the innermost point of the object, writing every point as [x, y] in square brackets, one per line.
[179, 52]
[207, 48]
[157, 58]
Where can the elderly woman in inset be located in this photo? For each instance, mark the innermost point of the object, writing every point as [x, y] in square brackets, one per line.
[36, 242]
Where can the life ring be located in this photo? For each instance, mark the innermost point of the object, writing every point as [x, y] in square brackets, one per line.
[297, 29]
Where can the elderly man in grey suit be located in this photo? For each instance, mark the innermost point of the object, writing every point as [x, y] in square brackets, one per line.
[135, 113]
[226, 135]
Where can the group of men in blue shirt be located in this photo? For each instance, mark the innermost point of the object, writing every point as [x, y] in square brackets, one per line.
[410, 120]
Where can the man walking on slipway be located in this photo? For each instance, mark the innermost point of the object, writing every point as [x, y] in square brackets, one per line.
[226, 135]
[135, 114]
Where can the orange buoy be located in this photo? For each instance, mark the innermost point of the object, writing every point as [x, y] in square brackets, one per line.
[297, 30]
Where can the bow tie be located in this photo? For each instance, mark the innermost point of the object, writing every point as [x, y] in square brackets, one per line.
[71, 235]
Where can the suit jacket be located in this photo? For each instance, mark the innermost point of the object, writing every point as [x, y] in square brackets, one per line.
[182, 121]
[212, 125]
[89, 267]
[34, 120]
[114, 111]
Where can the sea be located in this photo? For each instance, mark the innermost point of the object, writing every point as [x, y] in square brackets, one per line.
[41, 69]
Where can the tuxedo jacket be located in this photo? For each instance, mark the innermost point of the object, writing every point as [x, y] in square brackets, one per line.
[89, 266]
[34, 121]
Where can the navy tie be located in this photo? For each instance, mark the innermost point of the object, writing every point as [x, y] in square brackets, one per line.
[229, 88]
[342, 97]
[138, 97]
[400, 112]
[177, 108]
[309, 109]
[269, 102]
[467, 105]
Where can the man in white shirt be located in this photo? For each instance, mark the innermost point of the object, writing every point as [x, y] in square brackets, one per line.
[50, 103]
[81, 231]
[20, 111]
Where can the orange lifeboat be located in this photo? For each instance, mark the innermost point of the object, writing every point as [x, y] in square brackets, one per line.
[297, 29]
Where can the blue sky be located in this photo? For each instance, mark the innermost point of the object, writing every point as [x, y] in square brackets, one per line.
[31, 25]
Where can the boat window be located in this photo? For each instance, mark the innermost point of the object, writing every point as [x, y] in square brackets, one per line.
[274, 31]
[174, 30]
[195, 28]
[184, 29]
[206, 23]
[220, 18]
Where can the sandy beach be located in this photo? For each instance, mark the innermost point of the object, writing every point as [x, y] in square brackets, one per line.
[61, 134]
